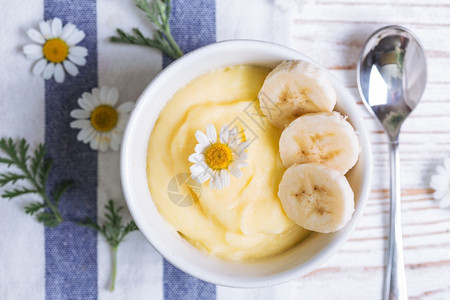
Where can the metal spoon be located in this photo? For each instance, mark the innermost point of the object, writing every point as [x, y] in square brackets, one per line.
[391, 75]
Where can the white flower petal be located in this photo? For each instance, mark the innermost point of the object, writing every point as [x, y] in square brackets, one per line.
[70, 68]
[441, 170]
[44, 27]
[96, 96]
[84, 133]
[232, 139]
[241, 163]
[211, 133]
[67, 31]
[36, 36]
[216, 181]
[234, 170]
[439, 182]
[104, 94]
[48, 71]
[80, 114]
[219, 180]
[199, 174]
[199, 148]
[113, 96]
[197, 169]
[242, 146]
[59, 73]
[212, 182]
[447, 164]
[76, 37]
[80, 124]
[196, 158]
[91, 135]
[445, 201]
[56, 27]
[202, 178]
[33, 51]
[224, 134]
[78, 51]
[78, 60]
[241, 156]
[125, 107]
[103, 144]
[84, 102]
[39, 66]
[202, 139]
[94, 142]
[122, 123]
[116, 137]
[114, 145]
[92, 98]
[225, 177]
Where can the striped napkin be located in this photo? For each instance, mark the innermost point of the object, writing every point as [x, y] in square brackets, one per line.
[73, 262]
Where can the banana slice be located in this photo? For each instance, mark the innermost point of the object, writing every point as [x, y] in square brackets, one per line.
[316, 197]
[295, 88]
[325, 138]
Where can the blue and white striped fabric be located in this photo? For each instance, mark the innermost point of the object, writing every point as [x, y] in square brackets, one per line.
[73, 262]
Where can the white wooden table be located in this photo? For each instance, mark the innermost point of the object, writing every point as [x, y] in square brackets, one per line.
[334, 31]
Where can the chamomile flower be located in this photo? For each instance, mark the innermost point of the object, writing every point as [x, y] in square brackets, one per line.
[56, 50]
[440, 182]
[101, 123]
[216, 159]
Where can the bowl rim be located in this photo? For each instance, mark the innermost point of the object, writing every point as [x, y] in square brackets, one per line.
[224, 280]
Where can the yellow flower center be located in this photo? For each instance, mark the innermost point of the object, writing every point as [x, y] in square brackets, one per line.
[104, 118]
[218, 156]
[55, 50]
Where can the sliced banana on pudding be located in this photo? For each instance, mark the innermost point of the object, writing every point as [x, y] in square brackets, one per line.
[295, 88]
[316, 197]
[326, 138]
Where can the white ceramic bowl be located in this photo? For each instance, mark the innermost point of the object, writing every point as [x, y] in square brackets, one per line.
[292, 264]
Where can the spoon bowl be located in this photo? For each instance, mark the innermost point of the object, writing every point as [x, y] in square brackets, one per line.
[391, 76]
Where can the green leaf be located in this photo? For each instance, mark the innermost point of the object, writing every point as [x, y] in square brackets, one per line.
[90, 224]
[158, 13]
[113, 231]
[131, 226]
[36, 172]
[10, 178]
[6, 161]
[23, 149]
[49, 219]
[60, 189]
[37, 159]
[33, 207]
[44, 171]
[8, 146]
[17, 192]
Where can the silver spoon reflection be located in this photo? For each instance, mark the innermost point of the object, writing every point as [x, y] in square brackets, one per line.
[392, 74]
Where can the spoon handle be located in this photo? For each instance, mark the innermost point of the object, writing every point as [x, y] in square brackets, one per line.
[394, 281]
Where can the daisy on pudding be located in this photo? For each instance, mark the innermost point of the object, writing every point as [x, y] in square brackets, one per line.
[214, 159]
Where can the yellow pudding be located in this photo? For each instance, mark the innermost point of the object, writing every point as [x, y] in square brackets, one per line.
[244, 220]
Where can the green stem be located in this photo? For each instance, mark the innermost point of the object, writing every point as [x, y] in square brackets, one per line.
[41, 191]
[114, 266]
[173, 44]
[52, 207]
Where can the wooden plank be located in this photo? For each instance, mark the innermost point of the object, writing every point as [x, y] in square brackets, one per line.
[333, 32]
